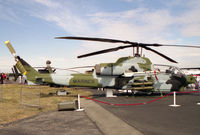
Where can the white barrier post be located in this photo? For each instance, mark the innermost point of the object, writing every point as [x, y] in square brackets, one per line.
[109, 93]
[175, 105]
[79, 104]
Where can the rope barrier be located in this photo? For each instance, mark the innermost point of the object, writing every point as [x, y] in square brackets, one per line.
[188, 92]
[107, 103]
[158, 98]
[97, 100]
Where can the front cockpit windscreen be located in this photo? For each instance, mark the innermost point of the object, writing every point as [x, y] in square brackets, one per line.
[167, 69]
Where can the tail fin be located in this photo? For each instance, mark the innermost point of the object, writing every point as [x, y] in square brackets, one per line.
[22, 65]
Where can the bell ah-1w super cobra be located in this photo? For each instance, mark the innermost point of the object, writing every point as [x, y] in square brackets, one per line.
[134, 73]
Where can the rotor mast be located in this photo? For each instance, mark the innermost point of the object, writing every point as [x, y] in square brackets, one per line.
[137, 51]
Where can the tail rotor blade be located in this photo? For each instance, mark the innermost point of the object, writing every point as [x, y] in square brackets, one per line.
[11, 49]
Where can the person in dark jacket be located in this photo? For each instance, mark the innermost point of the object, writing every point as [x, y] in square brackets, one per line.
[1, 78]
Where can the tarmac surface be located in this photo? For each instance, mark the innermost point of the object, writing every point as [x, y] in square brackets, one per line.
[94, 120]
[53, 123]
[157, 118]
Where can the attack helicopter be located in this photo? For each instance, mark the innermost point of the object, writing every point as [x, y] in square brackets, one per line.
[135, 73]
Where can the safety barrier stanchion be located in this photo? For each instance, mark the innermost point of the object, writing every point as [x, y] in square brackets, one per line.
[79, 104]
[175, 105]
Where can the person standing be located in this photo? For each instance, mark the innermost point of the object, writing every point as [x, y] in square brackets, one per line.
[199, 84]
[1, 78]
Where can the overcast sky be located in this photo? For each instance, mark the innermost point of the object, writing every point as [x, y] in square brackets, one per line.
[31, 26]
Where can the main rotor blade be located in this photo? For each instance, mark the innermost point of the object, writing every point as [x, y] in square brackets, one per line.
[162, 55]
[132, 44]
[123, 41]
[191, 46]
[98, 39]
[105, 51]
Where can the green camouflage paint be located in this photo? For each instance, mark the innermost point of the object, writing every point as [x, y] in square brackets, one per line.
[147, 65]
[119, 62]
[85, 80]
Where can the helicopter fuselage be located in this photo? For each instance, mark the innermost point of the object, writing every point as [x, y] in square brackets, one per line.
[127, 73]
